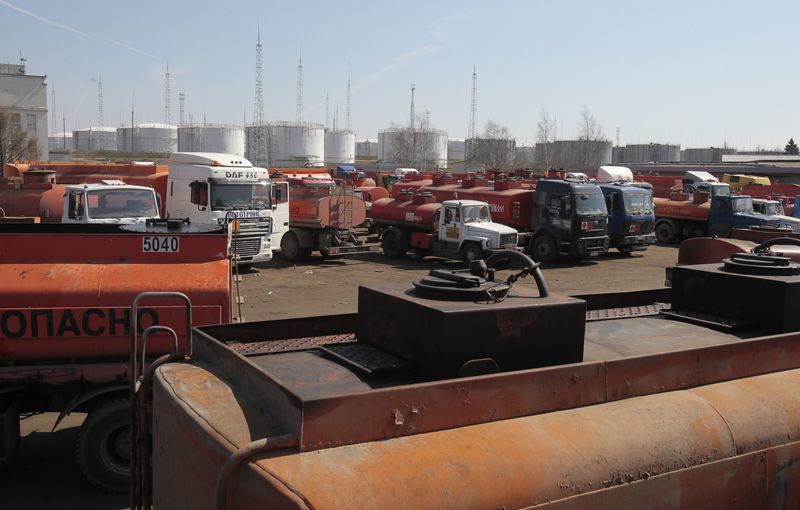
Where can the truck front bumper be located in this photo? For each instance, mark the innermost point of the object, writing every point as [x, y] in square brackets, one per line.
[588, 246]
[634, 242]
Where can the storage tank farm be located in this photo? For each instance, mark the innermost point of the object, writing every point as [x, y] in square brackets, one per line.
[289, 144]
[573, 154]
[426, 149]
[148, 137]
[62, 141]
[95, 139]
[225, 139]
[650, 153]
[456, 149]
[340, 147]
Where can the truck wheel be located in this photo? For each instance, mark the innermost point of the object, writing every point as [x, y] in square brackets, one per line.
[471, 251]
[103, 448]
[665, 232]
[393, 244]
[290, 247]
[544, 249]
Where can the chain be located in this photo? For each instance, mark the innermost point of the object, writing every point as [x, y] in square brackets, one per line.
[510, 281]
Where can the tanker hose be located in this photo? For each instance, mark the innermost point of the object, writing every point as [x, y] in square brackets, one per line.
[764, 247]
[243, 454]
[530, 267]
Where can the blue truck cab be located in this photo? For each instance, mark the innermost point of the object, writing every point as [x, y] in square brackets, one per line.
[631, 217]
[569, 219]
[736, 211]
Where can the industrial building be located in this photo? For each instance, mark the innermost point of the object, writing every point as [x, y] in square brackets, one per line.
[647, 153]
[367, 148]
[211, 138]
[705, 154]
[580, 155]
[24, 96]
[456, 149]
[340, 147]
[95, 139]
[421, 149]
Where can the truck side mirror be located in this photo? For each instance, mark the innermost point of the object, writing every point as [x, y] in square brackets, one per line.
[199, 193]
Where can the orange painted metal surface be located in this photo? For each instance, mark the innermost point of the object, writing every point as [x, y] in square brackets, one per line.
[681, 209]
[315, 200]
[707, 250]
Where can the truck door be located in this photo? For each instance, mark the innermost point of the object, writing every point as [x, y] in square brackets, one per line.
[280, 212]
[451, 224]
[720, 216]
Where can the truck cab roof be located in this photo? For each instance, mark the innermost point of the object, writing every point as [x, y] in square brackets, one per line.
[454, 203]
[209, 159]
[565, 185]
[624, 188]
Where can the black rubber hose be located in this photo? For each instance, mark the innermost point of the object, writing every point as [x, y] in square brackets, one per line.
[527, 261]
[772, 242]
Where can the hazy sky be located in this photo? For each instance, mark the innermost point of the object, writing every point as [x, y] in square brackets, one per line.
[696, 72]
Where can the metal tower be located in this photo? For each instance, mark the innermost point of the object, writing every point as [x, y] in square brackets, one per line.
[299, 112]
[53, 121]
[260, 134]
[411, 117]
[347, 105]
[473, 113]
[100, 121]
[327, 110]
[167, 99]
[181, 111]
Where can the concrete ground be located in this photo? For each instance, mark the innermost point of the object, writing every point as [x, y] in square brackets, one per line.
[44, 473]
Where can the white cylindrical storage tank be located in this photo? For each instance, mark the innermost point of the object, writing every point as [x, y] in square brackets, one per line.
[367, 148]
[340, 147]
[295, 145]
[251, 137]
[211, 138]
[148, 138]
[60, 142]
[456, 149]
[578, 155]
[525, 154]
[651, 153]
[424, 150]
[95, 139]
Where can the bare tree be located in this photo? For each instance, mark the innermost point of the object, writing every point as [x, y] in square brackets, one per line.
[414, 147]
[590, 133]
[495, 149]
[15, 145]
[545, 134]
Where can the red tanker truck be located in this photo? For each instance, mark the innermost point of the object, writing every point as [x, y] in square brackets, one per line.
[65, 322]
[437, 396]
[318, 216]
[453, 229]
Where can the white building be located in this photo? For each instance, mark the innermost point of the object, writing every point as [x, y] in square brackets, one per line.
[25, 98]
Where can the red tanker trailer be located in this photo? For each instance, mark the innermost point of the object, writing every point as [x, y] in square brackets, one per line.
[66, 322]
[460, 392]
[321, 215]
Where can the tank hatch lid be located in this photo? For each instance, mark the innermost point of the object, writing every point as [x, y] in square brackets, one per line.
[209, 158]
[172, 226]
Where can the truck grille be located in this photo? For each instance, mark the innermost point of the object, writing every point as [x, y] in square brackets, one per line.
[256, 225]
[246, 247]
[595, 242]
[508, 240]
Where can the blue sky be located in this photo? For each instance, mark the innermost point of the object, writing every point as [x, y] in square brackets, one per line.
[697, 73]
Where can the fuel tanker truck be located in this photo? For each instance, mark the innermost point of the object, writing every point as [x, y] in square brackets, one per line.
[205, 187]
[36, 197]
[66, 323]
[712, 213]
[467, 390]
[319, 215]
[460, 229]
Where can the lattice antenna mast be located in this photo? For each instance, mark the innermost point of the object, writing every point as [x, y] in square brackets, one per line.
[167, 98]
[411, 117]
[260, 135]
[473, 114]
[347, 105]
[327, 110]
[181, 109]
[299, 112]
[54, 120]
[100, 120]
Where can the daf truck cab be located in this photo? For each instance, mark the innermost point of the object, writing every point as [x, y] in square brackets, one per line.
[213, 188]
[569, 220]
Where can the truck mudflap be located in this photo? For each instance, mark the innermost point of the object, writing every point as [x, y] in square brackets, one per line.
[333, 251]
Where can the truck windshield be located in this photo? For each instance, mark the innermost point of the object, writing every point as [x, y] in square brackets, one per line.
[475, 213]
[638, 203]
[589, 204]
[742, 204]
[240, 196]
[122, 203]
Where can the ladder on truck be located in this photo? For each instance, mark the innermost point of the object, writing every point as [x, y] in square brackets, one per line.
[342, 207]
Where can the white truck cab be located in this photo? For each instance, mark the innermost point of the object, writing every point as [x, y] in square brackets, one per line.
[215, 188]
[110, 202]
[468, 223]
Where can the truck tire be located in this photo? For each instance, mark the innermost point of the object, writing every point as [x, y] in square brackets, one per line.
[665, 232]
[471, 251]
[290, 248]
[394, 244]
[544, 248]
[103, 447]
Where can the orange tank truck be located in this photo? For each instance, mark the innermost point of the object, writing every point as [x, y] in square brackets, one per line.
[33, 195]
[321, 215]
[437, 396]
[65, 322]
